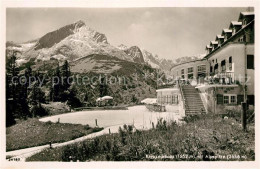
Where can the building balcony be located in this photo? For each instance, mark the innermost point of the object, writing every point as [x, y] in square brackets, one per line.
[224, 78]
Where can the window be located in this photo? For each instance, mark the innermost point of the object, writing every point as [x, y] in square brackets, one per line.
[244, 22]
[190, 73]
[233, 99]
[216, 68]
[223, 65]
[201, 72]
[182, 73]
[233, 31]
[241, 39]
[250, 62]
[226, 99]
[211, 69]
[190, 70]
[174, 99]
[230, 63]
[163, 99]
[202, 68]
[230, 99]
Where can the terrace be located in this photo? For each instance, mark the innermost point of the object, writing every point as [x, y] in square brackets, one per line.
[222, 79]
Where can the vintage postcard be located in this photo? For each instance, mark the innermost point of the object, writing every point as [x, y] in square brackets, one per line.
[166, 83]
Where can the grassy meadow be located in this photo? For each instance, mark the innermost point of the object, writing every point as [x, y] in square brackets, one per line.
[207, 137]
[32, 132]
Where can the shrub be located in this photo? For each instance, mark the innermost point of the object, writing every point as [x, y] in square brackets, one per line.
[87, 127]
[38, 110]
[191, 118]
[161, 124]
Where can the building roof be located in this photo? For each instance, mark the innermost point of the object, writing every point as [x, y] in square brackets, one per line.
[214, 42]
[226, 31]
[236, 23]
[242, 14]
[189, 62]
[228, 40]
[208, 47]
[248, 13]
[219, 37]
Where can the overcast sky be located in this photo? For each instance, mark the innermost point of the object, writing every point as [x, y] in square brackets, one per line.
[168, 32]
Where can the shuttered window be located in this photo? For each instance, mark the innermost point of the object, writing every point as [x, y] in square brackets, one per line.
[216, 68]
[251, 99]
[250, 62]
[240, 98]
[219, 99]
[230, 63]
[223, 65]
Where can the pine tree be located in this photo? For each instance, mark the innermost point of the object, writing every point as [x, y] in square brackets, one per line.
[10, 66]
[103, 87]
[73, 101]
[36, 95]
[56, 85]
[16, 93]
[27, 74]
[65, 74]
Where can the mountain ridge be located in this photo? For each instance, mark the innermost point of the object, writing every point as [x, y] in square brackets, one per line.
[77, 40]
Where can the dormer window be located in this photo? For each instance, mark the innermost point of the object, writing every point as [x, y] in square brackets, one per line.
[241, 39]
[214, 44]
[227, 33]
[245, 21]
[219, 39]
[235, 26]
[208, 49]
[233, 30]
[246, 17]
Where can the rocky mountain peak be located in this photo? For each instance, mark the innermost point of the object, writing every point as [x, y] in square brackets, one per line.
[56, 36]
[135, 53]
[80, 23]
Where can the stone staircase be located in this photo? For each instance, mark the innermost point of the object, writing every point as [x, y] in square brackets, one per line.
[193, 102]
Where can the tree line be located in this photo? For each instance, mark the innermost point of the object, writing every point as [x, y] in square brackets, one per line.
[25, 99]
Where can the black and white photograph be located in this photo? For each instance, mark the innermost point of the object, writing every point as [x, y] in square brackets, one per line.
[154, 83]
